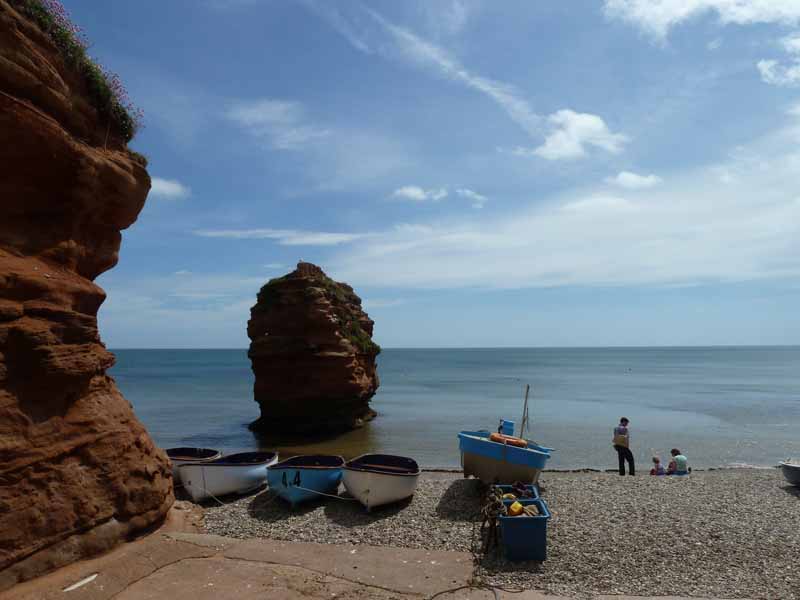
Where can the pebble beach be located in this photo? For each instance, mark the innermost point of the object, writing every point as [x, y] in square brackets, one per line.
[732, 533]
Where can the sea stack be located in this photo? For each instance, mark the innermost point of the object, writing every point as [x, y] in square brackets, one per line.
[312, 355]
[78, 471]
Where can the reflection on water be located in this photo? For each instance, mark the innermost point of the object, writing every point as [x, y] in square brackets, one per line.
[350, 444]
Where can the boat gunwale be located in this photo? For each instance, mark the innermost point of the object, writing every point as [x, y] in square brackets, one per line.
[280, 466]
[378, 469]
[217, 454]
[474, 436]
[222, 461]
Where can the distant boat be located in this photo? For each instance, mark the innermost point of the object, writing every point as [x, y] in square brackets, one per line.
[182, 456]
[791, 471]
[504, 459]
[377, 479]
[305, 477]
[235, 473]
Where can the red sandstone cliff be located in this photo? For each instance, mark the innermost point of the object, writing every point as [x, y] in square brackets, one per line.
[312, 354]
[78, 472]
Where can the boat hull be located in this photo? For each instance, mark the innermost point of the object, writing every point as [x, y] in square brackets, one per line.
[490, 470]
[211, 480]
[791, 472]
[379, 479]
[298, 483]
[377, 489]
[494, 462]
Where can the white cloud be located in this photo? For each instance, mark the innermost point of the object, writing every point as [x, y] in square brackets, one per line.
[417, 194]
[688, 230]
[410, 47]
[572, 132]
[169, 189]
[183, 272]
[632, 181]
[274, 266]
[284, 237]
[448, 17]
[657, 17]
[714, 44]
[774, 73]
[281, 122]
[427, 55]
[178, 312]
[478, 200]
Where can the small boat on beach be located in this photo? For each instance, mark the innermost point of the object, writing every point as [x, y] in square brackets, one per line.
[182, 456]
[235, 473]
[305, 477]
[501, 458]
[791, 471]
[378, 479]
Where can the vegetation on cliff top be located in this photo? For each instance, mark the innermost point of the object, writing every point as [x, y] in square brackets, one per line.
[340, 299]
[106, 91]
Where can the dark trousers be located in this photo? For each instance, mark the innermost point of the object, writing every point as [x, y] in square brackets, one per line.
[625, 454]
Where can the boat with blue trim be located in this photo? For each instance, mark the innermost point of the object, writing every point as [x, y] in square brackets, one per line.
[305, 477]
[500, 457]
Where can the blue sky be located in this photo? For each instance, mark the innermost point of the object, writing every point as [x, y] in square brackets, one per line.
[618, 172]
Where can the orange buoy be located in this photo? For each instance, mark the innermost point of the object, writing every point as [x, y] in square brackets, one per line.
[508, 439]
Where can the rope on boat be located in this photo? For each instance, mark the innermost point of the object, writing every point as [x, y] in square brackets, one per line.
[324, 494]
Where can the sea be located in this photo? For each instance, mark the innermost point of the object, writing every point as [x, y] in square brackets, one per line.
[721, 406]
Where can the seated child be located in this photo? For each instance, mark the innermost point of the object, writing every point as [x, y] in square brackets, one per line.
[679, 463]
[658, 468]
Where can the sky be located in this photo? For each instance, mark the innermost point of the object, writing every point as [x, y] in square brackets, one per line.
[486, 174]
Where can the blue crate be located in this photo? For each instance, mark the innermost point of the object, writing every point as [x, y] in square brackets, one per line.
[532, 487]
[525, 538]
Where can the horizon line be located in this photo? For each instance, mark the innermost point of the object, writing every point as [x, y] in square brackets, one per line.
[619, 347]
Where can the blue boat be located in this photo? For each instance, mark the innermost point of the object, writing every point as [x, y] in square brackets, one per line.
[505, 461]
[305, 477]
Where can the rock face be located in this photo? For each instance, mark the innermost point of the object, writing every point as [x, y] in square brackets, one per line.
[78, 472]
[312, 354]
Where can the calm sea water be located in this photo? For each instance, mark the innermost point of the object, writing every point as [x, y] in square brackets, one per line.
[721, 406]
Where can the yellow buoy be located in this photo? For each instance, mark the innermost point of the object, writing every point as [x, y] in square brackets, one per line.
[515, 509]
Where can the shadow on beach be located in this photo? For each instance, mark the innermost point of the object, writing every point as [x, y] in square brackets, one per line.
[348, 512]
[182, 494]
[271, 508]
[345, 511]
[792, 490]
[461, 501]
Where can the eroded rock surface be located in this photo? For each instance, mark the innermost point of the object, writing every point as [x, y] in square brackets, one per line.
[78, 471]
[312, 355]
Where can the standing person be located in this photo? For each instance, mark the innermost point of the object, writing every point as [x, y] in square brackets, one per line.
[622, 442]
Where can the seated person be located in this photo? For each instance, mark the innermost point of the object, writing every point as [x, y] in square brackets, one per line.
[658, 468]
[679, 464]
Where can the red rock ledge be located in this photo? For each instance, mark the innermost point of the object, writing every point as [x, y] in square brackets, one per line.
[78, 471]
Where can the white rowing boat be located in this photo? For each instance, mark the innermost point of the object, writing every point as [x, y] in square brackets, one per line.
[235, 473]
[378, 479]
[184, 456]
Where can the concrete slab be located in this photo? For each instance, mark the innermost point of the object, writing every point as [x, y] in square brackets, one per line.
[114, 571]
[218, 578]
[401, 570]
[190, 566]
